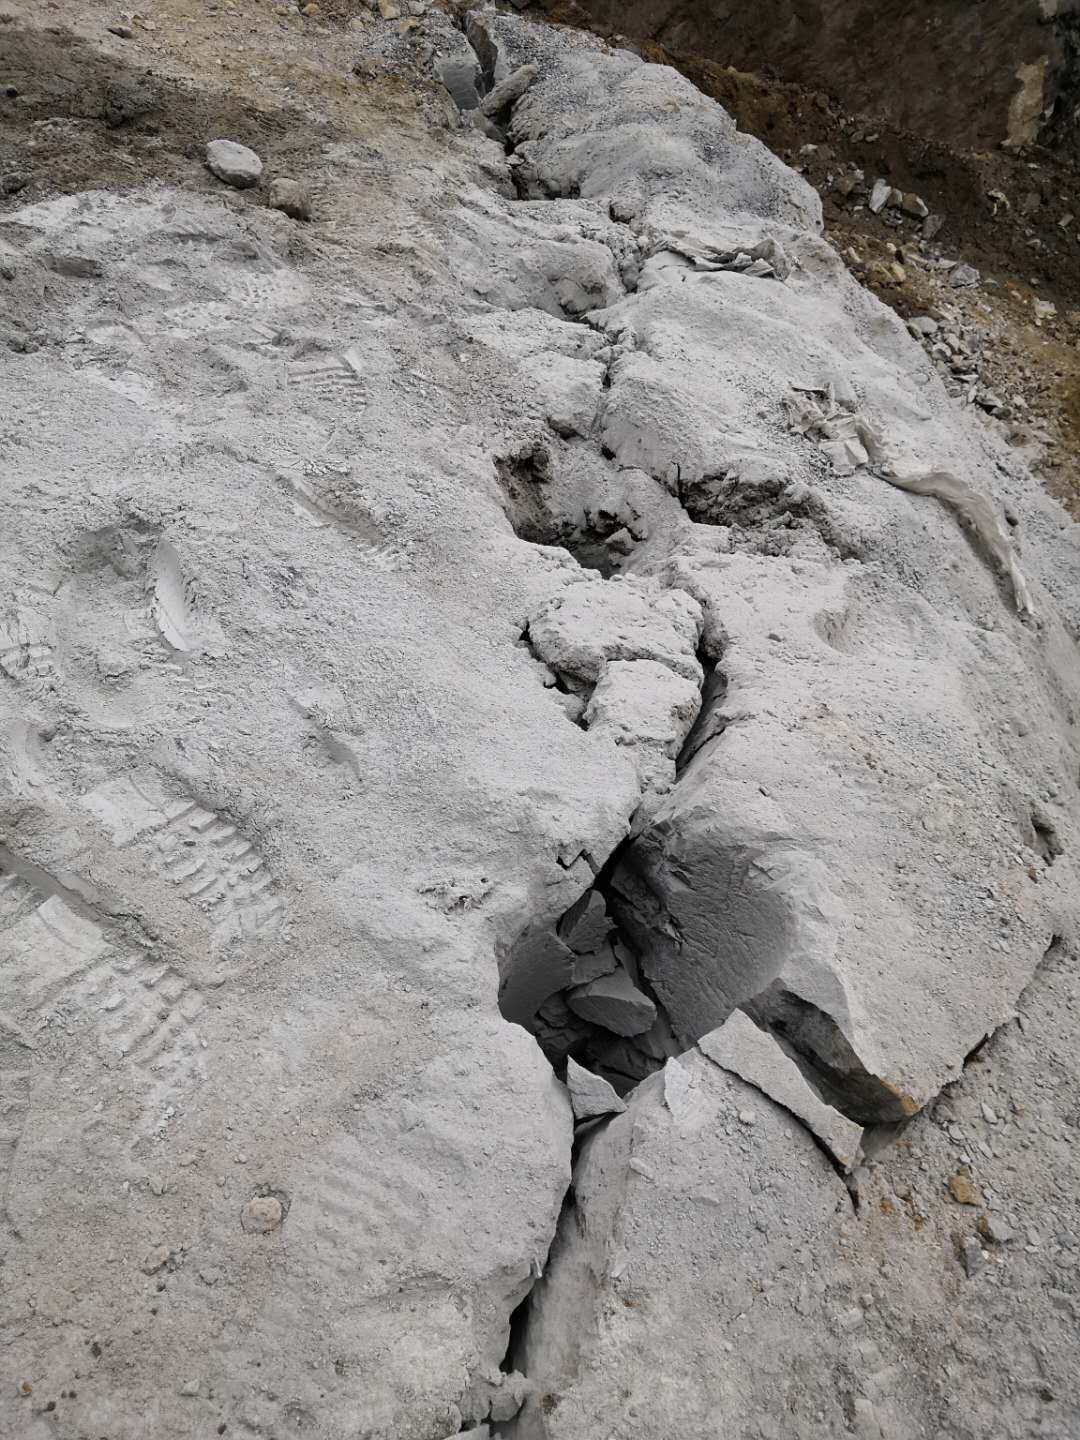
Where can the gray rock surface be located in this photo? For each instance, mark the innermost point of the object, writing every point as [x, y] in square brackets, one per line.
[431, 614]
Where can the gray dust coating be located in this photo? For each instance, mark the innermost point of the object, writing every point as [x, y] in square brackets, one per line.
[369, 599]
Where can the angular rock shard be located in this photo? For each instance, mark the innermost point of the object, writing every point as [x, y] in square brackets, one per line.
[755, 1056]
[590, 1095]
[615, 1003]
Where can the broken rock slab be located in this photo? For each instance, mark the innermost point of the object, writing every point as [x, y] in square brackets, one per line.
[758, 1058]
[580, 630]
[590, 1095]
[586, 926]
[615, 1003]
[678, 1210]
[507, 91]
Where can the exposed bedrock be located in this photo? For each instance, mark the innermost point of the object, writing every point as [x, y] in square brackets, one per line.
[850, 882]
[855, 821]
[500, 613]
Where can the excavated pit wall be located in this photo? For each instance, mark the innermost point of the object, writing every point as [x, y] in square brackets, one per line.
[972, 76]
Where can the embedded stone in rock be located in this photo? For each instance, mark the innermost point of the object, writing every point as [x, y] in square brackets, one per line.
[590, 1095]
[963, 276]
[756, 1057]
[262, 1214]
[615, 1003]
[291, 197]
[648, 711]
[487, 127]
[596, 621]
[235, 164]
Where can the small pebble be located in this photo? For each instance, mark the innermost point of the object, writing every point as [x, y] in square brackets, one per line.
[155, 1259]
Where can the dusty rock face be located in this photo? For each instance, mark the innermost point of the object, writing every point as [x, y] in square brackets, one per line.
[976, 77]
[454, 632]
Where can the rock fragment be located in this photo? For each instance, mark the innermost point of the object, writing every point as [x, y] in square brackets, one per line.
[233, 163]
[155, 1259]
[461, 76]
[590, 1095]
[509, 1397]
[972, 1255]
[507, 91]
[880, 195]
[292, 197]
[755, 1056]
[615, 1003]
[493, 1395]
[914, 205]
[994, 1230]
[962, 1189]
[586, 926]
[963, 276]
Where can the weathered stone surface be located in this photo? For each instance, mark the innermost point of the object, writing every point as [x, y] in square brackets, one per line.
[317, 682]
